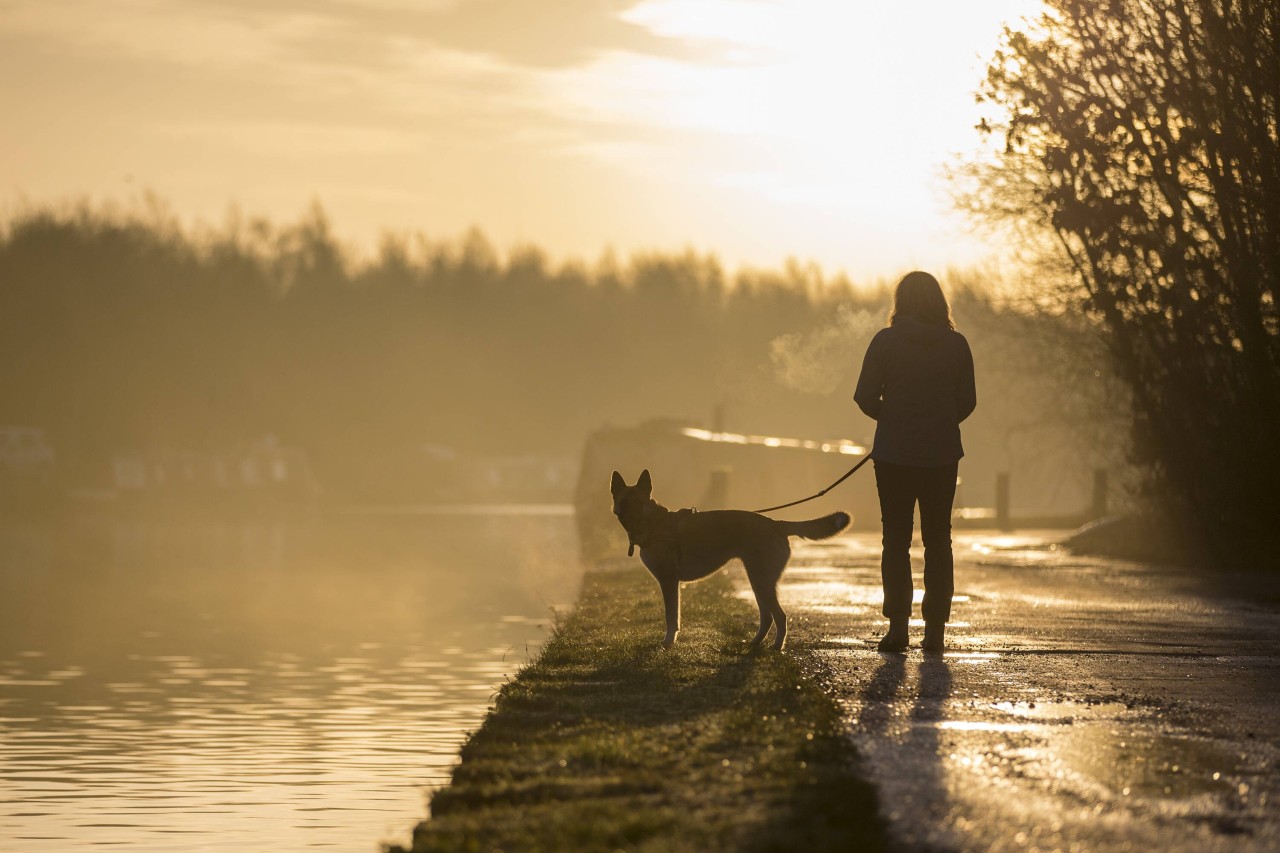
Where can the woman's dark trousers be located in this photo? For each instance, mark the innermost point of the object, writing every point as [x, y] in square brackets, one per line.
[900, 488]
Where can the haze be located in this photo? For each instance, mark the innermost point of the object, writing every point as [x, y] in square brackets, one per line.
[757, 130]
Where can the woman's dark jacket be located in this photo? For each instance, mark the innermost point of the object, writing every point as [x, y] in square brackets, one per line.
[917, 383]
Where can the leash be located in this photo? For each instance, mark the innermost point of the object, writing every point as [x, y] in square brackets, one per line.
[845, 476]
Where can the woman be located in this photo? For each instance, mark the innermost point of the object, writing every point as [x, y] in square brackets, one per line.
[917, 383]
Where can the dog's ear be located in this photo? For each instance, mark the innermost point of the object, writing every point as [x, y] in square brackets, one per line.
[645, 483]
[617, 484]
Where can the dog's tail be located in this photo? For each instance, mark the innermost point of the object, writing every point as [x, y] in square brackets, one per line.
[818, 528]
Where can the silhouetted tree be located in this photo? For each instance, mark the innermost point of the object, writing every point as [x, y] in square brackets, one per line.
[1142, 136]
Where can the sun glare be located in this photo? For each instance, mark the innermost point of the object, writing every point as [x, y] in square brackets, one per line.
[839, 109]
[732, 21]
[752, 129]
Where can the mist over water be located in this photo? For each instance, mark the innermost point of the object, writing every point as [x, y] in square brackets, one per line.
[175, 683]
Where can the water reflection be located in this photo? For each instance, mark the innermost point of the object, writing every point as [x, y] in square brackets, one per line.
[179, 684]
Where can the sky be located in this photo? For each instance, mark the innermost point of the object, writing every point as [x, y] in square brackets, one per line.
[757, 130]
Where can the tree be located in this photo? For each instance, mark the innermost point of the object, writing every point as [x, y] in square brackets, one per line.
[1141, 136]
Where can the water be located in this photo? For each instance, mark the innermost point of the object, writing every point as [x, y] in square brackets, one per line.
[182, 684]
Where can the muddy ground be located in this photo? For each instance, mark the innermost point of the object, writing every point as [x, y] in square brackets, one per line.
[1082, 703]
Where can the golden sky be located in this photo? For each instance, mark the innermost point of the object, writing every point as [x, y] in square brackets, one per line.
[755, 129]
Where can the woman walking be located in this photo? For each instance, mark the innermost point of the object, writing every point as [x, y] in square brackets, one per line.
[917, 383]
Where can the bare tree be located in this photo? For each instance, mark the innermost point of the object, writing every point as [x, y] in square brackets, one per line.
[1141, 135]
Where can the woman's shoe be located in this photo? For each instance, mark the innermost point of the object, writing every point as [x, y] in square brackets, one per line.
[933, 641]
[896, 639]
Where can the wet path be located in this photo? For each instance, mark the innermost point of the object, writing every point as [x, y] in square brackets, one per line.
[1083, 704]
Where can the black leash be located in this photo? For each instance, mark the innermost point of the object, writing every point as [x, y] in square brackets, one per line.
[846, 476]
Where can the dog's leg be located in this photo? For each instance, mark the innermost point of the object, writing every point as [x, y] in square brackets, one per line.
[766, 622]
[671, 602]
[764, 575]
[766, 618]
[779, 618]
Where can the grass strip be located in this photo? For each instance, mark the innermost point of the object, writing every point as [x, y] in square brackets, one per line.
[608, 742]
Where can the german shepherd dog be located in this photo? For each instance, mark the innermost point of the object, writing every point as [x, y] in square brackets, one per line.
[687, 545]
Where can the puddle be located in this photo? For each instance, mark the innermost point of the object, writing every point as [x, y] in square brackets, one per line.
[816, 571]
[986, 543]
[857, 545]
[1095, 757]
[982, 726]
[833, 592]
[1059, 712]
[1133, 764]
[970, 657]
[836, 609]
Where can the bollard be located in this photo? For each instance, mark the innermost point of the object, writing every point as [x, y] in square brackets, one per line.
[717, 494]
[1002, 502]
[1099, 493]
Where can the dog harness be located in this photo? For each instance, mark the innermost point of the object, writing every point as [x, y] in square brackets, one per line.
[662, 533]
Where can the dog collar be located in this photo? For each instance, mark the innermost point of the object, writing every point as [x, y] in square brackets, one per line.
[673, 516]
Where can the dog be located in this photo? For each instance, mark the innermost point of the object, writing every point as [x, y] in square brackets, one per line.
[687, 545]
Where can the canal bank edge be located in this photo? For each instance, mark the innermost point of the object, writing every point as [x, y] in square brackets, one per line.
[608, 742]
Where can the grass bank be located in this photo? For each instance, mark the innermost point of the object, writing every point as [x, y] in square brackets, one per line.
[607, 742]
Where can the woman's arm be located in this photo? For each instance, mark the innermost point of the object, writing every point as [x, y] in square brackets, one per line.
[871, 380]
[967, 392]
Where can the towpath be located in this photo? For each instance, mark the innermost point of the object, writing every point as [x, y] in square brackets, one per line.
[1083, 704]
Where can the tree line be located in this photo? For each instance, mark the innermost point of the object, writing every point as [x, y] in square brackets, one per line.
[124, 330]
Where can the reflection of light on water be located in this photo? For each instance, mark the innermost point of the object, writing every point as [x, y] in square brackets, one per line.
[1093, 754]
[832, 446]
[813, 571]
[242, 688]
[917, 597]
[1057, 711]
[1133, 763]
[838, 609]
[525, 620]
[980, 726]
[831, 592]
[999, 543]
[1035, 547]
[26, 682]
[483, 510]
[286, 742]
[971, 657]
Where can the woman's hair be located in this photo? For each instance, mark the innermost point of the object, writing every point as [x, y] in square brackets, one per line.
[920, 296]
